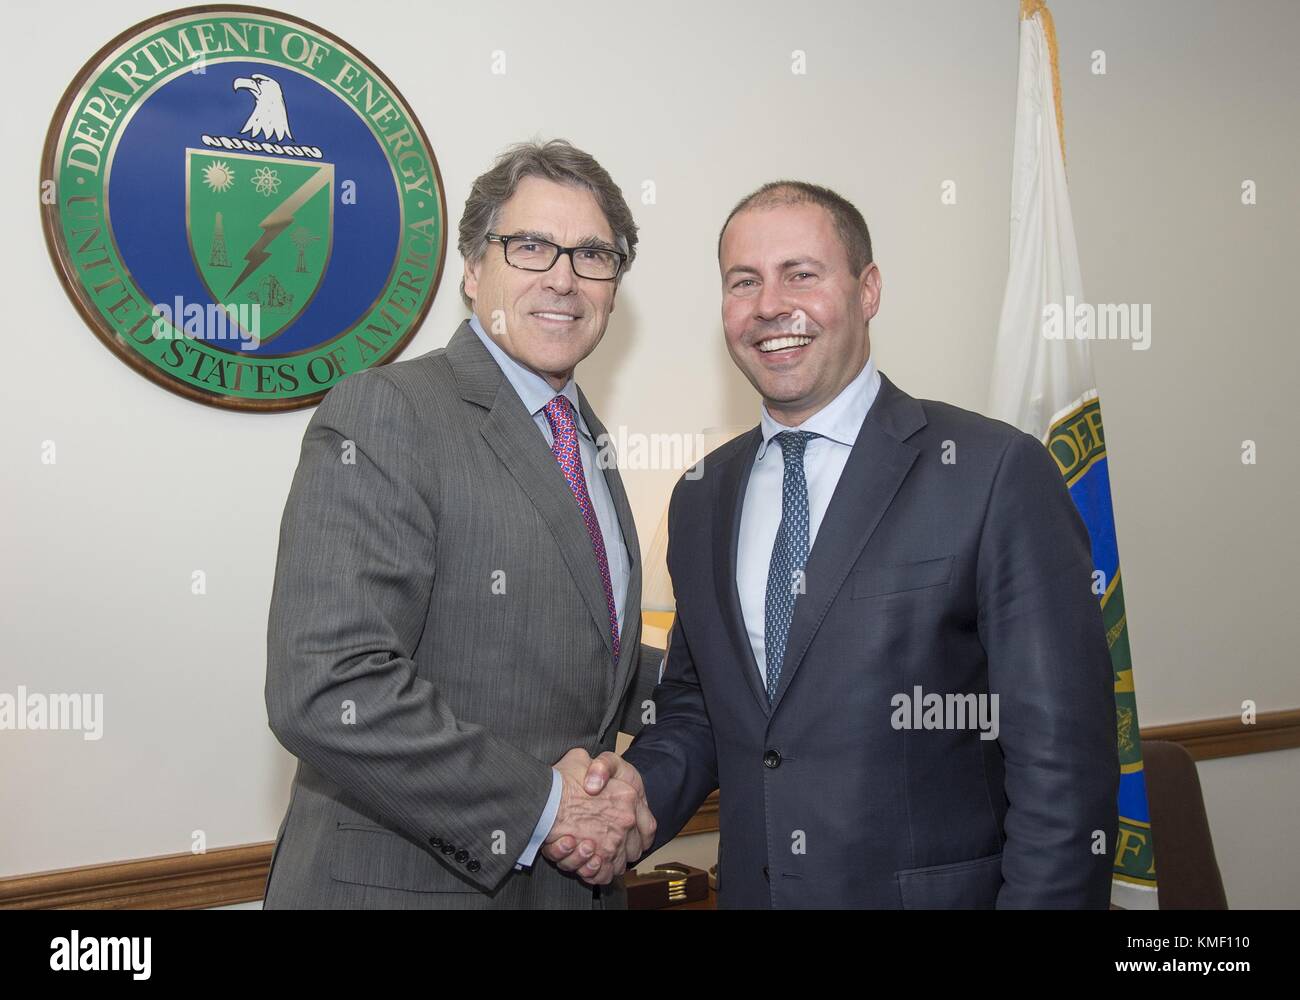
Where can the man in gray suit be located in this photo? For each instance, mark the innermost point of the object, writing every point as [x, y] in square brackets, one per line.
[457, 595]
[887, 653]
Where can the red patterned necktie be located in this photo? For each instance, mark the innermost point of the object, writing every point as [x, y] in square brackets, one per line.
[565, 446]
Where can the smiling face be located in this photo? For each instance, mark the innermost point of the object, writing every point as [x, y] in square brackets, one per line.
[548, 321]
[794, 314]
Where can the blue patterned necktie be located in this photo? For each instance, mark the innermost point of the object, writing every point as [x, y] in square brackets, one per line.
[789, 554]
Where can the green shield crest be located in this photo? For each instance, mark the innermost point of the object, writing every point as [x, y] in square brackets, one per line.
[260, 231]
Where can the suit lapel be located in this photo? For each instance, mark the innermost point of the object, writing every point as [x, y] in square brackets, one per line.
[878, 463]
[728, 503]
[511, 432]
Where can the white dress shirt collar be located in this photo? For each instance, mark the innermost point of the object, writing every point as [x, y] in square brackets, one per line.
[532, 389]
[840, 419]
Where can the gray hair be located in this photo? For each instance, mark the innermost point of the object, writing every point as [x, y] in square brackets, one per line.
[557, 160]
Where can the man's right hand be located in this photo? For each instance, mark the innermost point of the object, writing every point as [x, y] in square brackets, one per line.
[603, 820]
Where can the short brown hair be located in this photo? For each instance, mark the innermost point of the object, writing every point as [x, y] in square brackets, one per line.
[849, 223]
[557, 160]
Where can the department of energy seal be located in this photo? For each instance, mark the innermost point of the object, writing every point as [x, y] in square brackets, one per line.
[242, 207]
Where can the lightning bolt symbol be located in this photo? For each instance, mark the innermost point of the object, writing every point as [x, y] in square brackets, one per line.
[279, 219]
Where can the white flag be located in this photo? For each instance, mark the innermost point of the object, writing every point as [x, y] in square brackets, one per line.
[1043, 383]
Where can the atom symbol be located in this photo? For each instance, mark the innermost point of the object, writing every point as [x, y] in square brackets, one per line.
[266, 181]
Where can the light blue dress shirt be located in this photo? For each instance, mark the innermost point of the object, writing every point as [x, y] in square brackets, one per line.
[824, 459]
[535, 392]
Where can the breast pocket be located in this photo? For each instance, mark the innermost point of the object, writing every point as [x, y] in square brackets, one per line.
[876, 581]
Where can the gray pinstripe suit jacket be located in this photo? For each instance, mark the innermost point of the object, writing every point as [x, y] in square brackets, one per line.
[438, 637]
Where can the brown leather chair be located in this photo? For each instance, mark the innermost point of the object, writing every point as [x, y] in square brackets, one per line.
[1187, 874]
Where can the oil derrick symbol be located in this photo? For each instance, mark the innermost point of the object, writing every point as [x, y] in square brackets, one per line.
[217, 257]
[302, 238]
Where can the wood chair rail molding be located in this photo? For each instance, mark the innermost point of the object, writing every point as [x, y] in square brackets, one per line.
[228, 875]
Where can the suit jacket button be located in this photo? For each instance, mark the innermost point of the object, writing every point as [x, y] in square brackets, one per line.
[772, 759]
[448, 848]
[435, 841]
[462, 856]
[473, 865]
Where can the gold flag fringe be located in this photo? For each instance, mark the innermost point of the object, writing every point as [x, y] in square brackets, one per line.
[1028, 8]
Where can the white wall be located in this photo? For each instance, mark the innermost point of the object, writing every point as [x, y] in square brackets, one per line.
[98, 550]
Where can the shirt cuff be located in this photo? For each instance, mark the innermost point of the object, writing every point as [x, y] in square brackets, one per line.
[545, 823]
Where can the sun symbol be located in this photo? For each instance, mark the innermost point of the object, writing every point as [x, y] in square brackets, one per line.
[266, 181]
[218, 176]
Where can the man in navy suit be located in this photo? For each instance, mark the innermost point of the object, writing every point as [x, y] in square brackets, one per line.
[887, 653]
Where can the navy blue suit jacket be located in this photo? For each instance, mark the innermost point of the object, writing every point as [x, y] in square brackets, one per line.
[970, 576]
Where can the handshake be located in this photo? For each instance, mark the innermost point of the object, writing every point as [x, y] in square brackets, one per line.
[603, 823]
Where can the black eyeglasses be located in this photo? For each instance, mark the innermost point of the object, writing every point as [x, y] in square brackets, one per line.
[531, 254]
